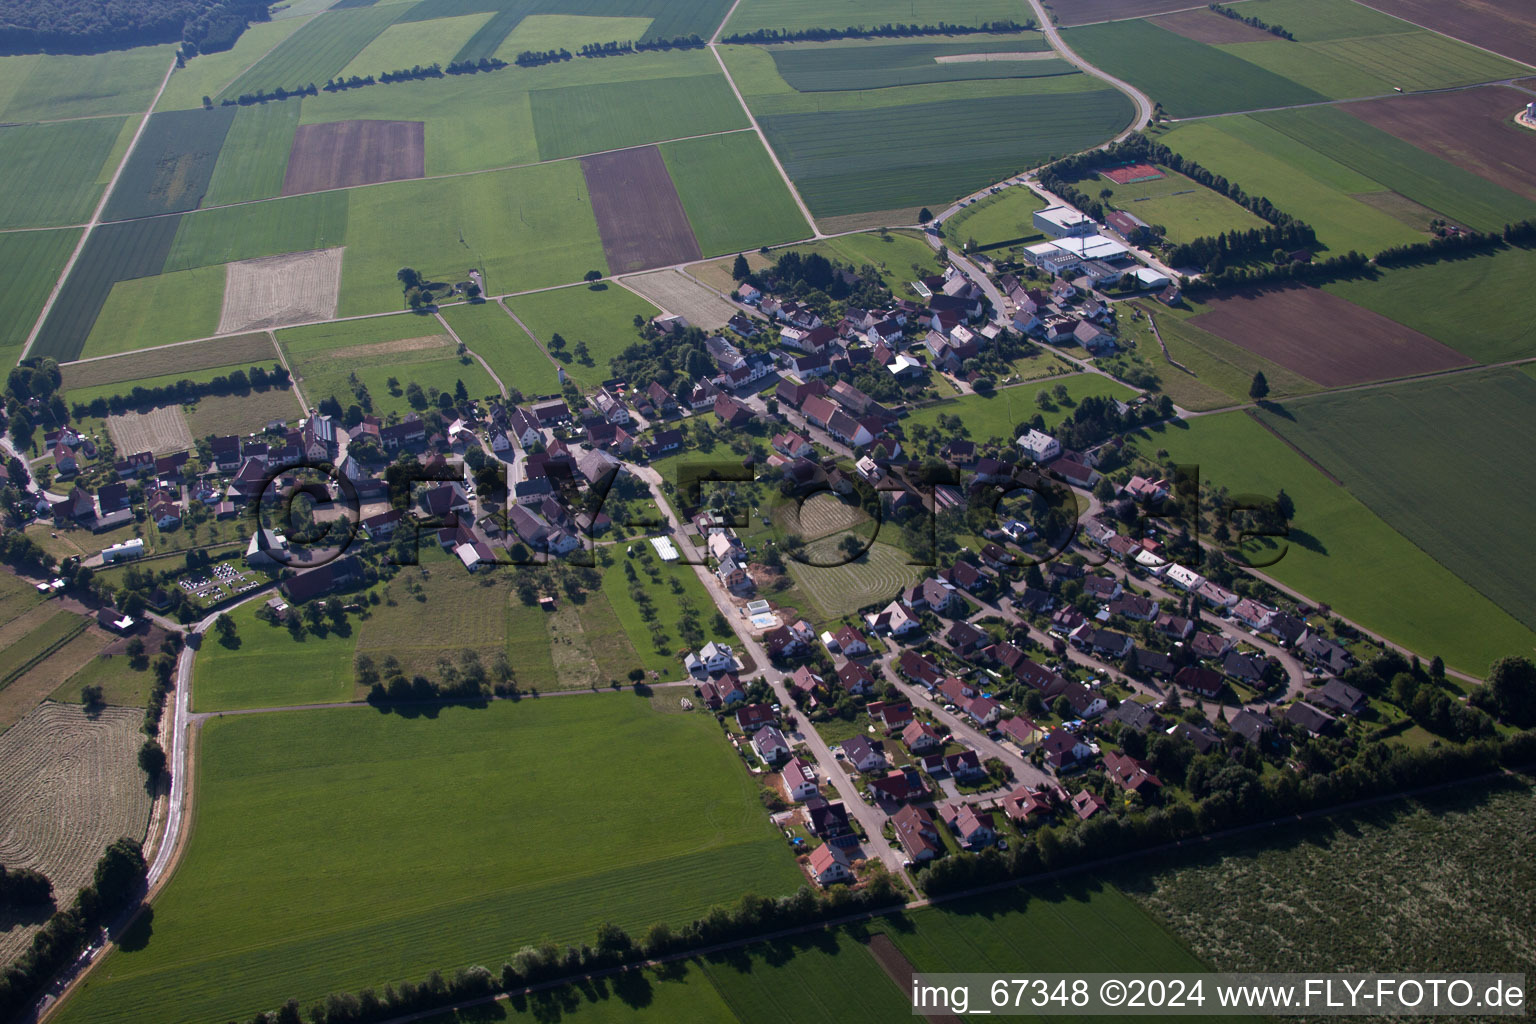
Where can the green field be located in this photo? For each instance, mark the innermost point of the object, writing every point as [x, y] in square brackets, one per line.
[604, 319]
[54, 173]
[833, 67]
[316, 52]
[613, 115]
[845, 162]
[402, 46]
[1488, 290]
[172, 164]
[114, 252]
[1299, 180]
[733, 195]
[667, 605]
[493, 336]
[1188, 78]
[1469, 427]
[797, 14]
[1214, 361]
[1005, 217]
[208, 73]
[828, 978]
[541, 32]
[998, 415]
[668, 18]
[539, 820]
[316, 669]
[39, 86]
[125, 371]
[410, 348]
[31, 262]
[150, 311]
[255, 154]
[839, 589]
[1187, 209]
[295, 224]
[1341, 553]
[1401, 167]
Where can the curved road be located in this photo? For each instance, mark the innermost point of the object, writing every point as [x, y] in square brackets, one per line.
[1053, 36]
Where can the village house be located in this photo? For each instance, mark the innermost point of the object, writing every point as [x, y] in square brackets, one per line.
[973, 829]
[917, 834]
[828, 864]
[799, 779]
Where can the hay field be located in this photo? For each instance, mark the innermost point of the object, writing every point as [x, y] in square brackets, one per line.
[678, 293]
[279, 291]
[162, 431]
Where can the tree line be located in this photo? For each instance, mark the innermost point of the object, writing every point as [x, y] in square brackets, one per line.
[115, 885]
[184, 392]
[612, 947]
[23, 887]
[886, 31]
[1251, 22]
[90, 26]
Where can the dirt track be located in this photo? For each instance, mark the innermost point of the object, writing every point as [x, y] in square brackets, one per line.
[639, 214]
[901, 971]
[346, 153]
[1324, 338]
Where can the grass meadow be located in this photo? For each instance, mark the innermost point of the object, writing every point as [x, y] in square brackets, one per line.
[319, 50]
[31, 262]
[580, 119]
[603, 318]
[732, 193]
[823, 977]
[495, 337]
[1006, 217]
[54, 173]
[255, 154]
[1470, 427]
[1485, 289]
[268, 668]
[540, 819]
[1297, 179]
[402, 46]
[38, 86]
[159, 310]
[1342, 553]
[295, 224]
[208, 74]
[984, 417]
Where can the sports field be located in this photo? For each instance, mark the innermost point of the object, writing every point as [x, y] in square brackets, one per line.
[1470, 428]
[410, 348]
[603, 318]
[568, 840]
[1185, 208]
[1341, 553]
[54, 173]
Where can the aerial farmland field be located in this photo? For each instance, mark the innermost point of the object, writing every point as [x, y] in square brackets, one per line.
[495, 337]
[1187, 209]
[317, 51]
[255, 154]
[1007, 217]
[268, 782]
[37, 86]
[574, 120]
[32, 261]
[753, 15]
[171, 166]
[405, 45]
[149, 311]
[732, 193]
[603, 318]
[126, 370]
[55, 173]
[209, 73]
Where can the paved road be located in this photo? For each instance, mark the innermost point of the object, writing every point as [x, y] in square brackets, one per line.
[1143, 103]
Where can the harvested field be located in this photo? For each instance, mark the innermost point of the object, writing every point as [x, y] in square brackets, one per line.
[639, 215]
[678, 293]
[241, 414]
[1086, 12]
[69, 785]
[1503, 26]
[384, 348]
[342, 154]
[59, 661]
[1324, 338]
[281, 290]
[1206, 26]
[160, 362]
[1469, 129]
[822, 515]
[162, 431]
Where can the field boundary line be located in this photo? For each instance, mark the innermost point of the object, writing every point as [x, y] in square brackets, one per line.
[306, 19]
[1293, 446]
[460, 341]
[1447, 35]
[1510, 82]
[101, 206]
[293, 380]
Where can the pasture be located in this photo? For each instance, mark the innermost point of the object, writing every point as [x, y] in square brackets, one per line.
[207, 74]
[1321, 337]
[581, 119]
[270, 782]
[1187, 209]
[54, 173]
[656, 649]
[1341, 553]
[1299, 180]
[1186, 77]
[122, 685]
[31, 262]
[734, 197]
[433, 611]
[495, 337]
[411, 349]
[132, 368]
[842, 162]
[114, 252]
[148, 311]
[1401, 167]
[255, 155]
[1487, 288]
[1428, 884]
[1470, 427]
[839, 587]
[172, 165]
[72, 785]
[983, 417]
[314, 670]
[319, 50]
[1001, 219]
[36, 86]
[603, 318]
